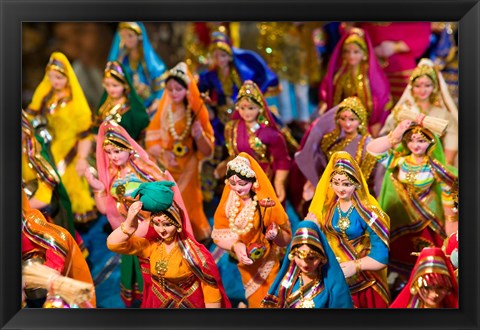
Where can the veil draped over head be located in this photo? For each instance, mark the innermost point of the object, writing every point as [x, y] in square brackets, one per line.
[367, 205]
[377, 94]
[154, 66]
[136, 118]
[264, 190]
[430, 261]
[338, 293]
[427, 67]
[59, 62]
[157, 129]
[159, 198]
[249, 64]
[139, 160]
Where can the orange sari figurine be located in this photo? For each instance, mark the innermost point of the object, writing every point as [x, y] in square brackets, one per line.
[183, 272]
[251, 223]
[180, 137]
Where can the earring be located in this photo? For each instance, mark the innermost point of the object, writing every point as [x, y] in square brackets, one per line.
[413, 290]
[179, 230]
[226, 181]
[256, 185]
[291, 257]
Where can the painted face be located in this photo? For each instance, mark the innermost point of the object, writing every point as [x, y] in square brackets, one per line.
[176, 91]
[307, 259]
[248, 110]
[221, 58]
[352, 54]
[239, 186]
[348, 121]
[117, 157]
[129, 38]
[114, 88]
[342, 187]
[164, 227]
[58, 80]
[418, 144]
[433, 295]
[422, 88]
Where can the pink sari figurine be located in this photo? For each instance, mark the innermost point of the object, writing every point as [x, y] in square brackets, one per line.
[353, 70]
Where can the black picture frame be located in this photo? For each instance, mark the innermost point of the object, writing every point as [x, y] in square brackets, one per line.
[14, 12]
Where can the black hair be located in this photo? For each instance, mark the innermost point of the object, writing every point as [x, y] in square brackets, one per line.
[178, 80]
[231, 173]
[182, 83]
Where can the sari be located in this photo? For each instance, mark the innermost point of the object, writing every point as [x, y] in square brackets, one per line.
[370, 83]
[146, 73]
[68, 122]
[399, 66]
[244, 65]
[442, 105]
[416, 206]
[326, 137]
[367, 235]
[41, 181]
[141, 169]
[130, 113]
[53, 245]
[186, 173]
[330, 291]
[267, 144]
[257, 277]
[192, 277]
[431, 261]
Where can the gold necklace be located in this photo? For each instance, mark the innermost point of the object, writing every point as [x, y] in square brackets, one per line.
[344, 220]
[179, 149]
[161, 266]
[110, 110]
[121, 188]
[411, 175]
[306, 302]
[234, 209]
[57, 103]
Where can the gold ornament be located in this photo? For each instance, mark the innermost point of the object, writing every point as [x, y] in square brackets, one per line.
[344, 221]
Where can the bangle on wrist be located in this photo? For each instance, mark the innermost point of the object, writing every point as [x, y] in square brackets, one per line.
[392, 140]
[358, 265]
[99, 193]
[451, 218]
[122, 228]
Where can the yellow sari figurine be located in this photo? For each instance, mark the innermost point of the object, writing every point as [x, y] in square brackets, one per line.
[356, 229]
[61, 115]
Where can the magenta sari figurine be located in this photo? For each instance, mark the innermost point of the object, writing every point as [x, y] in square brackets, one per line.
[353, 70]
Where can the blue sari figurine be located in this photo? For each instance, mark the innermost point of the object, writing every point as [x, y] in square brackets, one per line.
[310, 276]
[231, 67]
[131, 47]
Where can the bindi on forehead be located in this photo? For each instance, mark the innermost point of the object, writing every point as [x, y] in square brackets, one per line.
[340, 178]
[417, 137]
